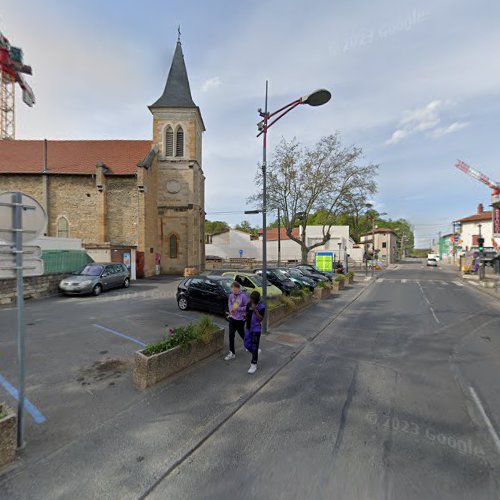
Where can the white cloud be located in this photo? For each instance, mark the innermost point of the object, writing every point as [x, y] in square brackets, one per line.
[454, 127]
[425, 119]
[211, 83]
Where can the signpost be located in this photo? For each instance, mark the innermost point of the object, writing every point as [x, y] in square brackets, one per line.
[324, 261]
[22, 219]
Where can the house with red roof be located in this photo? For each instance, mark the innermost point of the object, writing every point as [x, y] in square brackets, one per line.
[472, 226]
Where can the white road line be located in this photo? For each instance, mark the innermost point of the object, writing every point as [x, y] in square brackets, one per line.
[474, 283]
[380, 280]
[458, 283]
[443, 283]
[434, 314]
[487, 421]
[403, 281]
[425, 297]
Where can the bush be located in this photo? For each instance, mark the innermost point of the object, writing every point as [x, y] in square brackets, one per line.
[350, 274]
[184, 335]
[289, 303]
[322, 284]
[340, 278]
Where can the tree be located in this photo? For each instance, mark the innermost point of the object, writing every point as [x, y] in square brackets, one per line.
[304, 181]
[246, 227]
[216, 227]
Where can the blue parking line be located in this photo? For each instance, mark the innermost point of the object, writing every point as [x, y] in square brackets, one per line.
[28, 405]
[114, 332]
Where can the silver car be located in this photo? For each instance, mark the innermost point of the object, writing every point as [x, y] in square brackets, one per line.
[95, 278]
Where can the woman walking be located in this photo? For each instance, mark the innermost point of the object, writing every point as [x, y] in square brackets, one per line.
[254, 317]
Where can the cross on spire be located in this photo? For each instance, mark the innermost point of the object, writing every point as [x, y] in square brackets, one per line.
[179, 33]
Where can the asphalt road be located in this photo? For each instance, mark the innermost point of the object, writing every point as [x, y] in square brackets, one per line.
[398, 398]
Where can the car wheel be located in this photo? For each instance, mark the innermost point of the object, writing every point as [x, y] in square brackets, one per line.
[183, 303]
[126, 283]
[97, 290]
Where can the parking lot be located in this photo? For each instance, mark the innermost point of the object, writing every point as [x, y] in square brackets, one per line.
[79, 353]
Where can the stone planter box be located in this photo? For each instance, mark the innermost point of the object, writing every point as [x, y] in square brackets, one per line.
[149, 370]
[338, 285]
[350, 280]
[8, 436]
[321, 293]
[279, 313]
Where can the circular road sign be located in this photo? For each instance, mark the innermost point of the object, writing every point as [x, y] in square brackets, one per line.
[34, 219]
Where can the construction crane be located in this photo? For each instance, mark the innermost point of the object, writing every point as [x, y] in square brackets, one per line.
[12, 69]
[495, 195]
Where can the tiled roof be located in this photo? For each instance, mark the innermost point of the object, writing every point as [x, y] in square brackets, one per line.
[272, 234]
[381, 230]
[477, 217]
[72, 157]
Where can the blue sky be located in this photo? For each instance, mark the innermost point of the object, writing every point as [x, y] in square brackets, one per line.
[415, 84]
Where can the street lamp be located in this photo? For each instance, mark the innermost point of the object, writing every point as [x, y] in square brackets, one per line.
[316, 98]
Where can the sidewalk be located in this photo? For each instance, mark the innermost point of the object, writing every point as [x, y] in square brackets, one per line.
[127, 454]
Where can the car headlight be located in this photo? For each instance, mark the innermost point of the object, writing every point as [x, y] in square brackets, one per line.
[85, 283]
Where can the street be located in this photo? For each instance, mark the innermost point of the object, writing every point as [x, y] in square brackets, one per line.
[398, 398]
[386, 390]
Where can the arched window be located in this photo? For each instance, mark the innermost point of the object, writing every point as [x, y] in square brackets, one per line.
[169, 141]
[62, 227]
[173, 246]
[179, 142]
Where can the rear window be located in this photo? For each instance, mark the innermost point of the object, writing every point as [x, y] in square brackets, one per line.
[91, 271]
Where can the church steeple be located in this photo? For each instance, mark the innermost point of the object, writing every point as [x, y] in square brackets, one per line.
[177, 93]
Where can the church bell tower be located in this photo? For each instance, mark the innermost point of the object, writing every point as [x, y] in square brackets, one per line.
[177, 132]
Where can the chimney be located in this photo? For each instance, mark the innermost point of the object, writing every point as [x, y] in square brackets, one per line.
[480, 208]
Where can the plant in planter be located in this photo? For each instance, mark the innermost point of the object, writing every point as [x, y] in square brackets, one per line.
[8, 435]
[350, 277]
[322, 290]
[181, 347]
[339, 282]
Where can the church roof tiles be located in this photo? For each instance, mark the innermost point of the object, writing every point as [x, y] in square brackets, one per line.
[72, 157]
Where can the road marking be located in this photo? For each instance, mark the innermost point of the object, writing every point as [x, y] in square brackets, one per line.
[425, 297]
[28, 405]
[380, 280]
[487, 421]
[403, 281]
[443, 283]
[434, 314]
[114, 332]
[473, 283]
[458, 283]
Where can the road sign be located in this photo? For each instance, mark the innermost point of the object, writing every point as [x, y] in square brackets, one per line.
[28, 251]
[241, 252]
[31, 267]
[324, 261]
[34, 218]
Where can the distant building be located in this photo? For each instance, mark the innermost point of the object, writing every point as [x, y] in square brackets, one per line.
[232, 244]
[469, 230]
[383, 242]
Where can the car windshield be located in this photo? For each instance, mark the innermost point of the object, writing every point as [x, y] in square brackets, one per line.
[91, 271]
[226, 285]
[282, 274]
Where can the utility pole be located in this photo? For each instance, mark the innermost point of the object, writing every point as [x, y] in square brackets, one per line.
[279, 237]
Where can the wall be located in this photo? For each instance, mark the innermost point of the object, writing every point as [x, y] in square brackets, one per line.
[53, 243]
[34, 288]
[469, 229]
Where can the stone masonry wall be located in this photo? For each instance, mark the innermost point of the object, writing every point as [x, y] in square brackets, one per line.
[34, 288]
[121, 210]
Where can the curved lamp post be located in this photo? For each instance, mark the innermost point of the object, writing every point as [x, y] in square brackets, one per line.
[316, 98]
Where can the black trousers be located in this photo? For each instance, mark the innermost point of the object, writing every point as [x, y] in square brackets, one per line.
[255, 346]
[235, 325]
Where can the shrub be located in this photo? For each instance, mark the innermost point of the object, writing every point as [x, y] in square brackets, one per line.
[350, 274]
[322, 284]
[183, 336]
[340, 278]
[289, 303]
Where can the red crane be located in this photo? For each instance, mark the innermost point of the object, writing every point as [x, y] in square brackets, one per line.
[12, 69]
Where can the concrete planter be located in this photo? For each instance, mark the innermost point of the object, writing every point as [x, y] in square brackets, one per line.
[321, 293]
[338, 285]
[149, 370]
[8, 436]
[350, 280]
[280, 312]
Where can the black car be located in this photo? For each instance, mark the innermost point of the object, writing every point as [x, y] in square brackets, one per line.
[313, 273]
[278, 279]
[208, 293]
[299, 278]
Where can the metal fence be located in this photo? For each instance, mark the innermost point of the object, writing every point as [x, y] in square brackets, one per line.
[64, 261]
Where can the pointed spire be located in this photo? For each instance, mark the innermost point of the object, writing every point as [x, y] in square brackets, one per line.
[177, 93]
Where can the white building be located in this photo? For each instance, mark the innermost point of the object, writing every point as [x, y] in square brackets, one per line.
[385, 243]
[232, 244]
[469, 230]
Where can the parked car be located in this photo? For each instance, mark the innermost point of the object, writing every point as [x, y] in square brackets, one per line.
[328, 274]
[432, 262]
[208, 293]
[95, 278]
[311, 272]
[278, 279]
[253, 282]
[298, 277]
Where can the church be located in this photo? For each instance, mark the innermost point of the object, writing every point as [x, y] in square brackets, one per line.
[141, 200]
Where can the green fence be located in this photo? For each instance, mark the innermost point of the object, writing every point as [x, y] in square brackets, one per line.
[64, 261]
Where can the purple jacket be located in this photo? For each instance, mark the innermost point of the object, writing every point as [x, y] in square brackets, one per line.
[237, 305]
[253, 324]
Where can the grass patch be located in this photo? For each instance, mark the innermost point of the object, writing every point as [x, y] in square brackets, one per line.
[184, 335]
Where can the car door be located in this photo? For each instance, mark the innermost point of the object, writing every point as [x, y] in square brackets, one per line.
[107, 278]
[118, 275]
[196, 291]
[214, 297]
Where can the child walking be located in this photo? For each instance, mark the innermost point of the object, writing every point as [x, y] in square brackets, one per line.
[254, 317]
[237, 306]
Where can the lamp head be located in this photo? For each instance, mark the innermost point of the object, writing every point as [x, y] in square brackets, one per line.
[317, 98]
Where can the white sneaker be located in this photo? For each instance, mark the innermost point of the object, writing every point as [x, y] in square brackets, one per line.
[252, 369]
[260, 350]
[229, 356]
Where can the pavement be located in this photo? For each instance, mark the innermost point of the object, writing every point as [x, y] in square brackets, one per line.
[387, 390]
